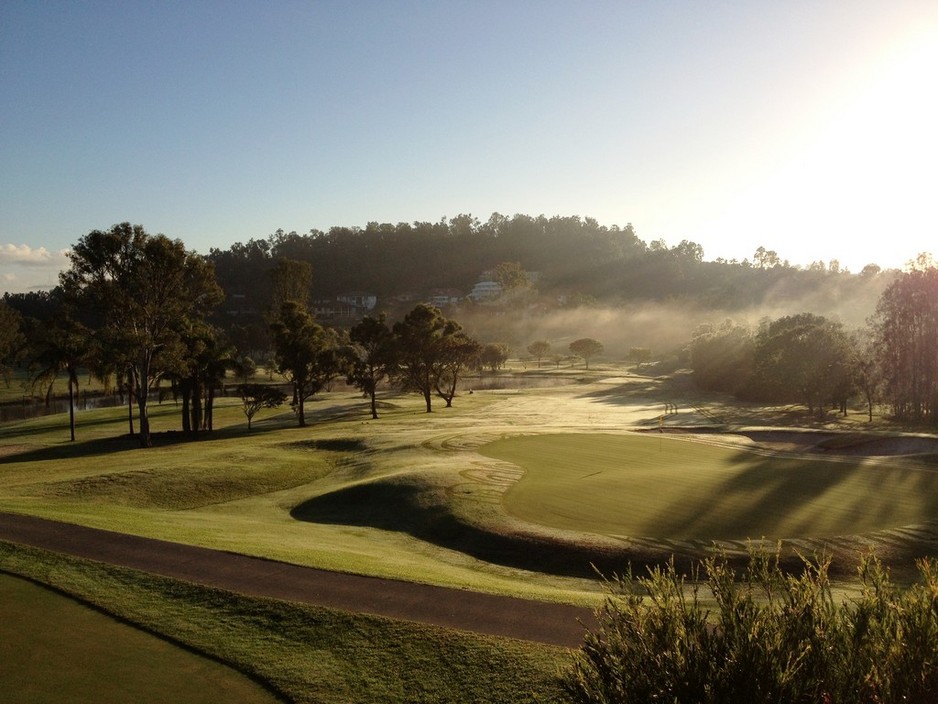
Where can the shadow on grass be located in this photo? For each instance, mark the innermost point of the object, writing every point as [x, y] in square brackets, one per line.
[406, 508]
[760, 494]
[126, 443]
[765, 492]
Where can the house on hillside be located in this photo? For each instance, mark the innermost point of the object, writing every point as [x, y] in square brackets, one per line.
[345, 308]
[485, 290]
[443, 297]
[359, 299]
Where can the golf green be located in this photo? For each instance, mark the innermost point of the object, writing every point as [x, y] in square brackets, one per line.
[640, 485]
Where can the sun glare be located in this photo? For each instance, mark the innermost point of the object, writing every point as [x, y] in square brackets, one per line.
[858, 180]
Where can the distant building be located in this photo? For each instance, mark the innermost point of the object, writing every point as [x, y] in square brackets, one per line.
[485, 291]
[442, 297]
[366, 301]
[348, 307]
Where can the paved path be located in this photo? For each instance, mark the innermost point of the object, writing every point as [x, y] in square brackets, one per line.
[542, 622]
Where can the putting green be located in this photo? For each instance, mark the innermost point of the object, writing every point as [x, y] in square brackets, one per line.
[659, 487]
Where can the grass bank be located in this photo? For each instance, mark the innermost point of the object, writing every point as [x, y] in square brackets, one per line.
[302, 653]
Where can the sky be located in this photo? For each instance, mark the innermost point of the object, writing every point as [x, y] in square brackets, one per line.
[809, 128]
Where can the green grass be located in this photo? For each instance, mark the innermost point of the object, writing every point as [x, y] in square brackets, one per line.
[410, 496]
[235, 490]
[641, 485]
[53, 644]
[304, 653]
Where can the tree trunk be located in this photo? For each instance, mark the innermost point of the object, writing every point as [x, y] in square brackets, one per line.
[374, 405]
[196, 423]
[130, 411]
[301, 410]
[186, 393]
[209, 408]
[71, 408]
[428, 398]
[145, 439]
[143, 389]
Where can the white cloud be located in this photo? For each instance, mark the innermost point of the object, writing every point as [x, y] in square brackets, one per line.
[24, 255]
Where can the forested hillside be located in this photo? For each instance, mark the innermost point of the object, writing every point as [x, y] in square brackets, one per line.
[570, 262]
[573, 256]
[577, 277]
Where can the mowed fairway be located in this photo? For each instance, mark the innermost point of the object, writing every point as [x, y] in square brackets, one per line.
[653, 486]
[55, 649]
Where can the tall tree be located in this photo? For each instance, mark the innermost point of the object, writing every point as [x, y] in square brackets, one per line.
[539, 349]
[145, 286]
[906, 333]
[292, 281]
[307, 354]
[11, 338]
[802, 358]
[867, 374]
[425, 339]
[457, 353]
[373, 356]
[722, 358]
[586, 347]
[493, 355]
[198, 370]
[57, 347]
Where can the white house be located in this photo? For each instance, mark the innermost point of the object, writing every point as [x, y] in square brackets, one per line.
[485, 290]
[358, 299]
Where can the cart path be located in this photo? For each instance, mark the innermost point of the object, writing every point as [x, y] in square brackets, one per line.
[524, 619]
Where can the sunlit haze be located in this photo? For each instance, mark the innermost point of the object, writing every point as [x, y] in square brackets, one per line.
[808, 128]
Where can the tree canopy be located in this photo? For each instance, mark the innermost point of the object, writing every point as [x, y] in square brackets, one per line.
[145, 287]
[433, 352]
[307, 354]
[586, 348]
[374, 356]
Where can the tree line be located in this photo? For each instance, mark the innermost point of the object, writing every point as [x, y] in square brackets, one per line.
[575, 259]
[133, 309]
[136, 309]
[815, 361]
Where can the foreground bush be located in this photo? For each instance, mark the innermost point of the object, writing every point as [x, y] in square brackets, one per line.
[772, 637]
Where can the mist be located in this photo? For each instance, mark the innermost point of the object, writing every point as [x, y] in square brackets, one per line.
[665, 327]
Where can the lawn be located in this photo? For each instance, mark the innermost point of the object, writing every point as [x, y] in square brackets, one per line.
[62, 646]
[302, 653]
[501, 494]
[661, 487]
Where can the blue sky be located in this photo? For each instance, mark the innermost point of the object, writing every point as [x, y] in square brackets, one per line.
[805, 127]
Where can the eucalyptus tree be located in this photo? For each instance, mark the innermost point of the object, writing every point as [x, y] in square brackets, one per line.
[197, 365]
[144, 286]
[11, 337]
[307, 354]
[254, 397]
[56, 347]
[433, 353]
[803, 358]
[373, 356]
[539, 349]
[906, 333]
[493, 356]
[457, 353]
[586, 348]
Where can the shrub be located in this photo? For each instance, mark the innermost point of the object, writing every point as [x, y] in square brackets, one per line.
[772, 637]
